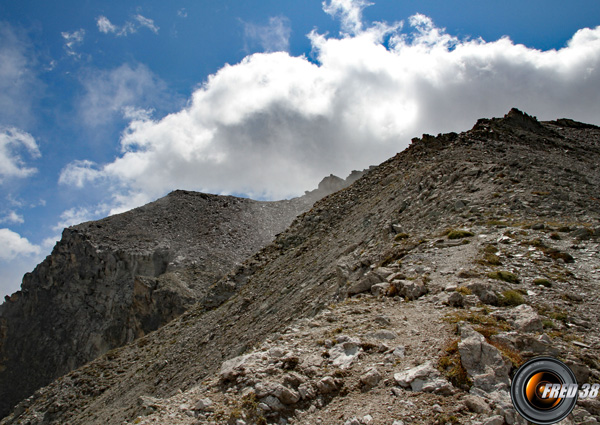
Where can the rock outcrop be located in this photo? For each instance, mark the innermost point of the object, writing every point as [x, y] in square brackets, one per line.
[111, 281]
[409, 297]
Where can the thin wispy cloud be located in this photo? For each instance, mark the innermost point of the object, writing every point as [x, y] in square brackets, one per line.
[146, 23]
[127, 90]
[273, 125]
[105, 26]
[12, 218]
[72, 41]
[20, 87]
[273, 37]
[349, 13]
[182, 13]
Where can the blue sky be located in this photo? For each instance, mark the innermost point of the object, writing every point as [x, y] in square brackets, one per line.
[105, 106]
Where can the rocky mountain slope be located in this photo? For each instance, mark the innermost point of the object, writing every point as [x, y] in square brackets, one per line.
[409, 297]
[111, 281]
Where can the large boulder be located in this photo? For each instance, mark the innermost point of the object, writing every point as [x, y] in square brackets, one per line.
[345, 353]
[425, 378]
[483, 362]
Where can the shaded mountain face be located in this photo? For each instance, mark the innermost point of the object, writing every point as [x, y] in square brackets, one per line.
[495, 229]
[111, 281]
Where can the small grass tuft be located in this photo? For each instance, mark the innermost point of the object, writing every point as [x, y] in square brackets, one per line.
[250, 408]
[464, 290]
[496, 223]
[555, 254]
[542, 282]
[491, 259]
[512, 355]
[467, 274]
[480, 319]
[510, 298]
[561, 316]
[459, 234]
[491, 249]
[504, 276]
[445, 419]
[548, 324]
[486, 331]
[451, 366]
[538, 243]
[340, 373]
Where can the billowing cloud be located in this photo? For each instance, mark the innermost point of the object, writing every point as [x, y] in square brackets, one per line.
[273, 125]
[274, 37]
[19, 85]
[17, 257]
[123, 91]
[13, 245]
[105, 26]
[12, 142]
[78, 173]
[73, 40]
[77, 215]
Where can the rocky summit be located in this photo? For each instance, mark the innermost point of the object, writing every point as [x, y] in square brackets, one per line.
[409, 297]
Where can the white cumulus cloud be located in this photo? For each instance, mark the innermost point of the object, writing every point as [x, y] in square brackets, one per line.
[12, 142]
[78, 215]
[78, 173]
[13, 245]
[17, 257]
[273, 125]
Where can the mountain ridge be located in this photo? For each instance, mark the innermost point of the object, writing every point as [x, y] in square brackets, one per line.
[110, 281]
[380, 258]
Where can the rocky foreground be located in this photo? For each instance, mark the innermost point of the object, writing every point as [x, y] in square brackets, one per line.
[409, 297]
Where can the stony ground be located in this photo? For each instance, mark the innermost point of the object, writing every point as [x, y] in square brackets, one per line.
[348, 364]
